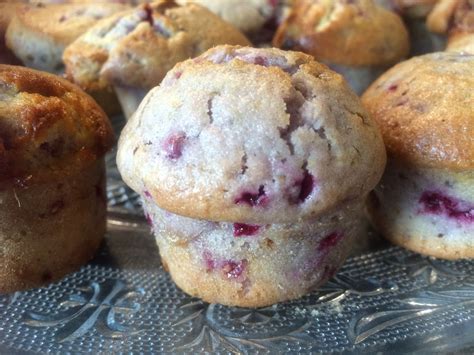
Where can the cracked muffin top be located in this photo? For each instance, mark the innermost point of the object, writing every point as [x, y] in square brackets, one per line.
[354, 33]
[424, 107]
[248, 16]
[251, 135]
[137, 47]
[48, 127]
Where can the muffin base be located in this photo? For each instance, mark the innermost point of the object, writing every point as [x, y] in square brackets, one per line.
[430, 211]
[276, 263]
[50, 229]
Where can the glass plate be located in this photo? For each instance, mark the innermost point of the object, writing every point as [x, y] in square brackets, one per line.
[388, 300]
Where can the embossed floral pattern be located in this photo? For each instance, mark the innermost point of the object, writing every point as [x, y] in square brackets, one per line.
[95, 306]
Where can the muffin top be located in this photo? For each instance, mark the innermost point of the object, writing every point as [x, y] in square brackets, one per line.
[424, 107]
[137, 47]
[248, 16]
[48, 127]
[251, 135]
[344, 32]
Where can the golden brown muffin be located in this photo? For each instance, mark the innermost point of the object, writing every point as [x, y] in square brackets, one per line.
[456, 19]
[425, 201]
[132, 51]
[52, 179]
[346, 35]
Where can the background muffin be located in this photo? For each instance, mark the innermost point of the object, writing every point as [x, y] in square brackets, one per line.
[52, 178]
[357, 39]
[7, 11]
[414, 13]
[425, 201]
[456, 19]
[38, 35]
[248, 16]
[132, 51]
[253, 165]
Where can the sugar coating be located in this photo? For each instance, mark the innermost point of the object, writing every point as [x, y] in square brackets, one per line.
[265, 264]
[267, 137]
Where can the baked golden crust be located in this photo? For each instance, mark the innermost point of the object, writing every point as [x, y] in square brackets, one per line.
[136, 48]
[48, 127]
[349, 33]
[424, 107]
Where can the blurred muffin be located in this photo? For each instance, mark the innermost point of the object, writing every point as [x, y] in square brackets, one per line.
[357, 39]
[248, 16]
[425, 201]
[414, 13]
[7, 11]
[52, 178]
[456, 19]
[132, 51]
[253, 165]
[38, 35]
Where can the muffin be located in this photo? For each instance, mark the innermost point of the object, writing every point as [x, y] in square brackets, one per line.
[457, 20]
[425, 201]
[414, 13]
[38, 35]
[357, 39]
[248, 16]
[7, 10]
[256, 172]
[132, 51]
[52, 178]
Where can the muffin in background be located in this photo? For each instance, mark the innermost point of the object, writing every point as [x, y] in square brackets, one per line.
[132, 51]
[455, 19]
[359, 39]
[253, 166]
[38, 35]
[248, 16]
[7, 11]
[52, 177]
[414, 13]
[425, 200]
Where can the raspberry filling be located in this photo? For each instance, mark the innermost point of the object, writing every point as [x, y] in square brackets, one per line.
[434, 202]
[149, 220]
[253, 199]
[234, 269]
[231, 269]
[242, 229]
[173, 145]
[329, 241]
